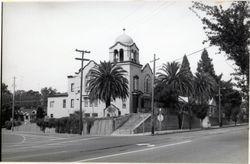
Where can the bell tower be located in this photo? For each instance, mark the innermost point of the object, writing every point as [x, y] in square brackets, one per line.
[124, 50]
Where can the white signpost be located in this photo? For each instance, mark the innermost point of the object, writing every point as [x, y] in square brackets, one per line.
[160, 117]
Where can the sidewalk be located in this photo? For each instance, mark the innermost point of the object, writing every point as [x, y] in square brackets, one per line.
[199, 129]
[183, 130]
[63, 135]
[66, 135]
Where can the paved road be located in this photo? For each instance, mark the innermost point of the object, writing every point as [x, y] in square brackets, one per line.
[218, 145]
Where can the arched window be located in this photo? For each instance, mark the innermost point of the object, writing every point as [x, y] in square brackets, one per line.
[135, 53]
[121, 52]
[87, 78]
[131, 55]
[136, 82]
[115, 55]
[147, 84]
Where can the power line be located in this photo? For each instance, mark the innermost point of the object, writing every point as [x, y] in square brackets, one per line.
[193, 53]
[153, 13]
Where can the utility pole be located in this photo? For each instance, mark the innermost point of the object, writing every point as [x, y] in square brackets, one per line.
[82, 60]
[13, 103]
[220, 122]
[152, 101]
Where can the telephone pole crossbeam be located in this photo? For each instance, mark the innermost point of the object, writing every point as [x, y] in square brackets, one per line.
[82, 60]
[152, 101]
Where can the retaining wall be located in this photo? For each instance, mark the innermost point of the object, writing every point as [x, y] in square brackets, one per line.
[170, 122]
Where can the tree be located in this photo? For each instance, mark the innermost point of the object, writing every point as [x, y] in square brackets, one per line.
[205, 65]
[203, 87]
[27, 99]
[40, 113]
[176, 79]
[6, 104]
[165, 96]
[187, 106]
[203, 91]
[45, 92]
[229, 30]
[107, 82]
[179, 79]
[185, 64]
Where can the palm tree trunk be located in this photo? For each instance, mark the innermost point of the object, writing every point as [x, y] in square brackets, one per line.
[107, 102]
[189, 119]
[201, 123]
[182, 120]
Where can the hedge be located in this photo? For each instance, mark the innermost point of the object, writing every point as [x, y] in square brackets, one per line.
[64, 124]
[8, 124]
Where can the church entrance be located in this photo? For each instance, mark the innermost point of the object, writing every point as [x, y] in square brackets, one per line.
[135, 103]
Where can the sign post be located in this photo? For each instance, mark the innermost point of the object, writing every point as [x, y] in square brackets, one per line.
[160, 117]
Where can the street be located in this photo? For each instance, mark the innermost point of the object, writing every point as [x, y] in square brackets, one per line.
[228, 145]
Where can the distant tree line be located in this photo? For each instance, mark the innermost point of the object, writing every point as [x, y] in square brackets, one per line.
[24, 99]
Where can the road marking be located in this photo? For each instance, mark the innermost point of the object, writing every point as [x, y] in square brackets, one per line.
[84, 139]
[49, 144]
[146, 144]
[134, 151]
[35, 155]
[24, 139]
[40, 136]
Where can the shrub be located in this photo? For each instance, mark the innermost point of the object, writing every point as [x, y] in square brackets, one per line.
[8, 124]
[67, 125]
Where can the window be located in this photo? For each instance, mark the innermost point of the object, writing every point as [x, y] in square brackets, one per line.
[64, 103]
[72, 103]
[123, 104]
[72, 87]
[147, 84]
[51, 104]
[136, 82]
[87, 114]
[94, 114]
[134, 56]
[87, 78]
[115, 55]
[96, 103]
[86, 101]
[121, 52]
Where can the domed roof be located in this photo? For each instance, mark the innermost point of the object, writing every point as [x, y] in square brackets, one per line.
[125, 39]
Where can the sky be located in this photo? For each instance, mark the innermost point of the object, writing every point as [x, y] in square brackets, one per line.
[40, 38]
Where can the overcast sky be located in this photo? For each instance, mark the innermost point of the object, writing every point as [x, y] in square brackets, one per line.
[40, 39]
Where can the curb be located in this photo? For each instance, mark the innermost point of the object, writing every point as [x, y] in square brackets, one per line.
[181, 131]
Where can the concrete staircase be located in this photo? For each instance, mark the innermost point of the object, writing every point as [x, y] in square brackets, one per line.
[133, 122]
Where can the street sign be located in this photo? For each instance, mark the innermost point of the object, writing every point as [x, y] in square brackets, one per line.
[160, 117]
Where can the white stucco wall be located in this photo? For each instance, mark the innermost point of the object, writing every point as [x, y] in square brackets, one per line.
[57, 109]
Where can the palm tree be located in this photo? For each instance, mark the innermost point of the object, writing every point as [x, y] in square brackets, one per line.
[178, 80]
[107, 82]
[204, 86]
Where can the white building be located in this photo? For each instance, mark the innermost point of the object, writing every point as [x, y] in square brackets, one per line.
[126, 54]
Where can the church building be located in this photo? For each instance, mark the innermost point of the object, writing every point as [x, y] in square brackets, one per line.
[126, 54]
